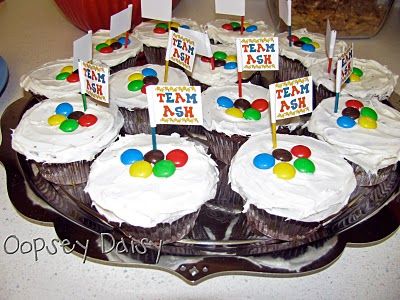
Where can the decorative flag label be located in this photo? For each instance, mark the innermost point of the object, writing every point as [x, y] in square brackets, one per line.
[258, 53]
[82, 49]
[285, 11]
[181, 50]
[94, 81]
[174, 105]
[330, 40]
[201, 40]
[121, 22]
[346, 64]
[157, 9]
[230, 7]
[292, 98]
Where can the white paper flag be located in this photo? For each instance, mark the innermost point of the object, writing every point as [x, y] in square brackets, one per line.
[230, 7]
[181, 50]
[82, 49]
[285, 11]
[201, 40]
[121, 22]
[157, 9]
[330, 40]
[94, 81]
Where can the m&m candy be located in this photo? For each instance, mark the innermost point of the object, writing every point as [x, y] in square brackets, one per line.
[164, 168]
[154, 156]
[304, 165]
[149, 72]
[234, 112]
[142, 169]
[64, 109]
[69, 125]
[264, 161]
[367, 122]
[129, 156]
[369, 112]
[56, 120]
[301, 151]
[284, 170]
[87, 120]
[260, 105]
[346, 122]
[178, 157]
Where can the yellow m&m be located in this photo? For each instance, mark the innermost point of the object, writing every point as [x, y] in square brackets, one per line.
[110, 41]
[231, 58]
[56, 120]
[354, 78]
[135, 76]
[67, 69]
[315, 44]
[234, 112]
[284, 170]
[366, 122]
[141, 169]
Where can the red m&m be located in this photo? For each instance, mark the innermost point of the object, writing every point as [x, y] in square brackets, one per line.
[178, 157]
[301, 151]
[87, 120]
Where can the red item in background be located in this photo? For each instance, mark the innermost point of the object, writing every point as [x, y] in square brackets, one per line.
[95, 15]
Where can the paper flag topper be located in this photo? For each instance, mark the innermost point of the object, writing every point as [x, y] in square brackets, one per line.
[179, 105]
[201, 40]
[82, 49]
[121, 22]
[260, 53]
[157, 9]
[230, 7]
[94, 81]
[291, 98]
[181, 50]
[285, 11]
[330, 40]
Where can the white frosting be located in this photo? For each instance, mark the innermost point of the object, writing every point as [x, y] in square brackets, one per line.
[215, 117]
[43, 80]
[224, 36]
[377, 81]
[121, 96]
[39, 141]
[306, 197]
[219, 76]
[372, 149]
[117, 56]
[148, 201]
[307, 58]
[144, 32]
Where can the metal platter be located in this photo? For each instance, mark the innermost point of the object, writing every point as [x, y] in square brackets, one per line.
[221, 241]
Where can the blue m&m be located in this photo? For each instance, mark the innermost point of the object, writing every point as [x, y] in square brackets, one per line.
[264, 161]
[122, 40]
[225, 102]
[149, 72]
[130, 156]
[308, 47]
[345, 122]
[251, 28]
[64, 109]
[230, 65]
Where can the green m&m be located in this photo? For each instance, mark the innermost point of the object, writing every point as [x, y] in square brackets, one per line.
[304, 165]
[369, 112]
[358, 72]
[69, 125]
[135, 85]
[164, 168]
[252, 114]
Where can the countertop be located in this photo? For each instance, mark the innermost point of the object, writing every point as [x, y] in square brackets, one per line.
[35, 32]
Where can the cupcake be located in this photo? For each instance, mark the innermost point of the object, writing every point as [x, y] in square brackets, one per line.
[112, 52]
[61, 141]
[154, 36]
[128, 92]
[157, 202]
[366, 132]
[369, 79]
[224, 31]
[307, 48]
[291, 190]
[53, 79]
[229, 121]
[225, 69]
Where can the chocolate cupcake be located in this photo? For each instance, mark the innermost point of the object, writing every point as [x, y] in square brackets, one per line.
[128, 92]
[369, 79]
[230, 120]
[154, 198]
[365, 131]
[112, 52]
[154, 36]
[291, 190]
[307, 48]
[61, 140]
[52, 79]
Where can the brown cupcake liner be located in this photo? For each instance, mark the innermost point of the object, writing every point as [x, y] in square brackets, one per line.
[225, 198]
[38, 97]
[224, 147]
[137, 121]
[77, 194]
[73, 173]
[156, 55]
[367, 179]
[279, 227]
[195, 82]
[320, 93]
[130, 62]
[289, 69]
[167, 232]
